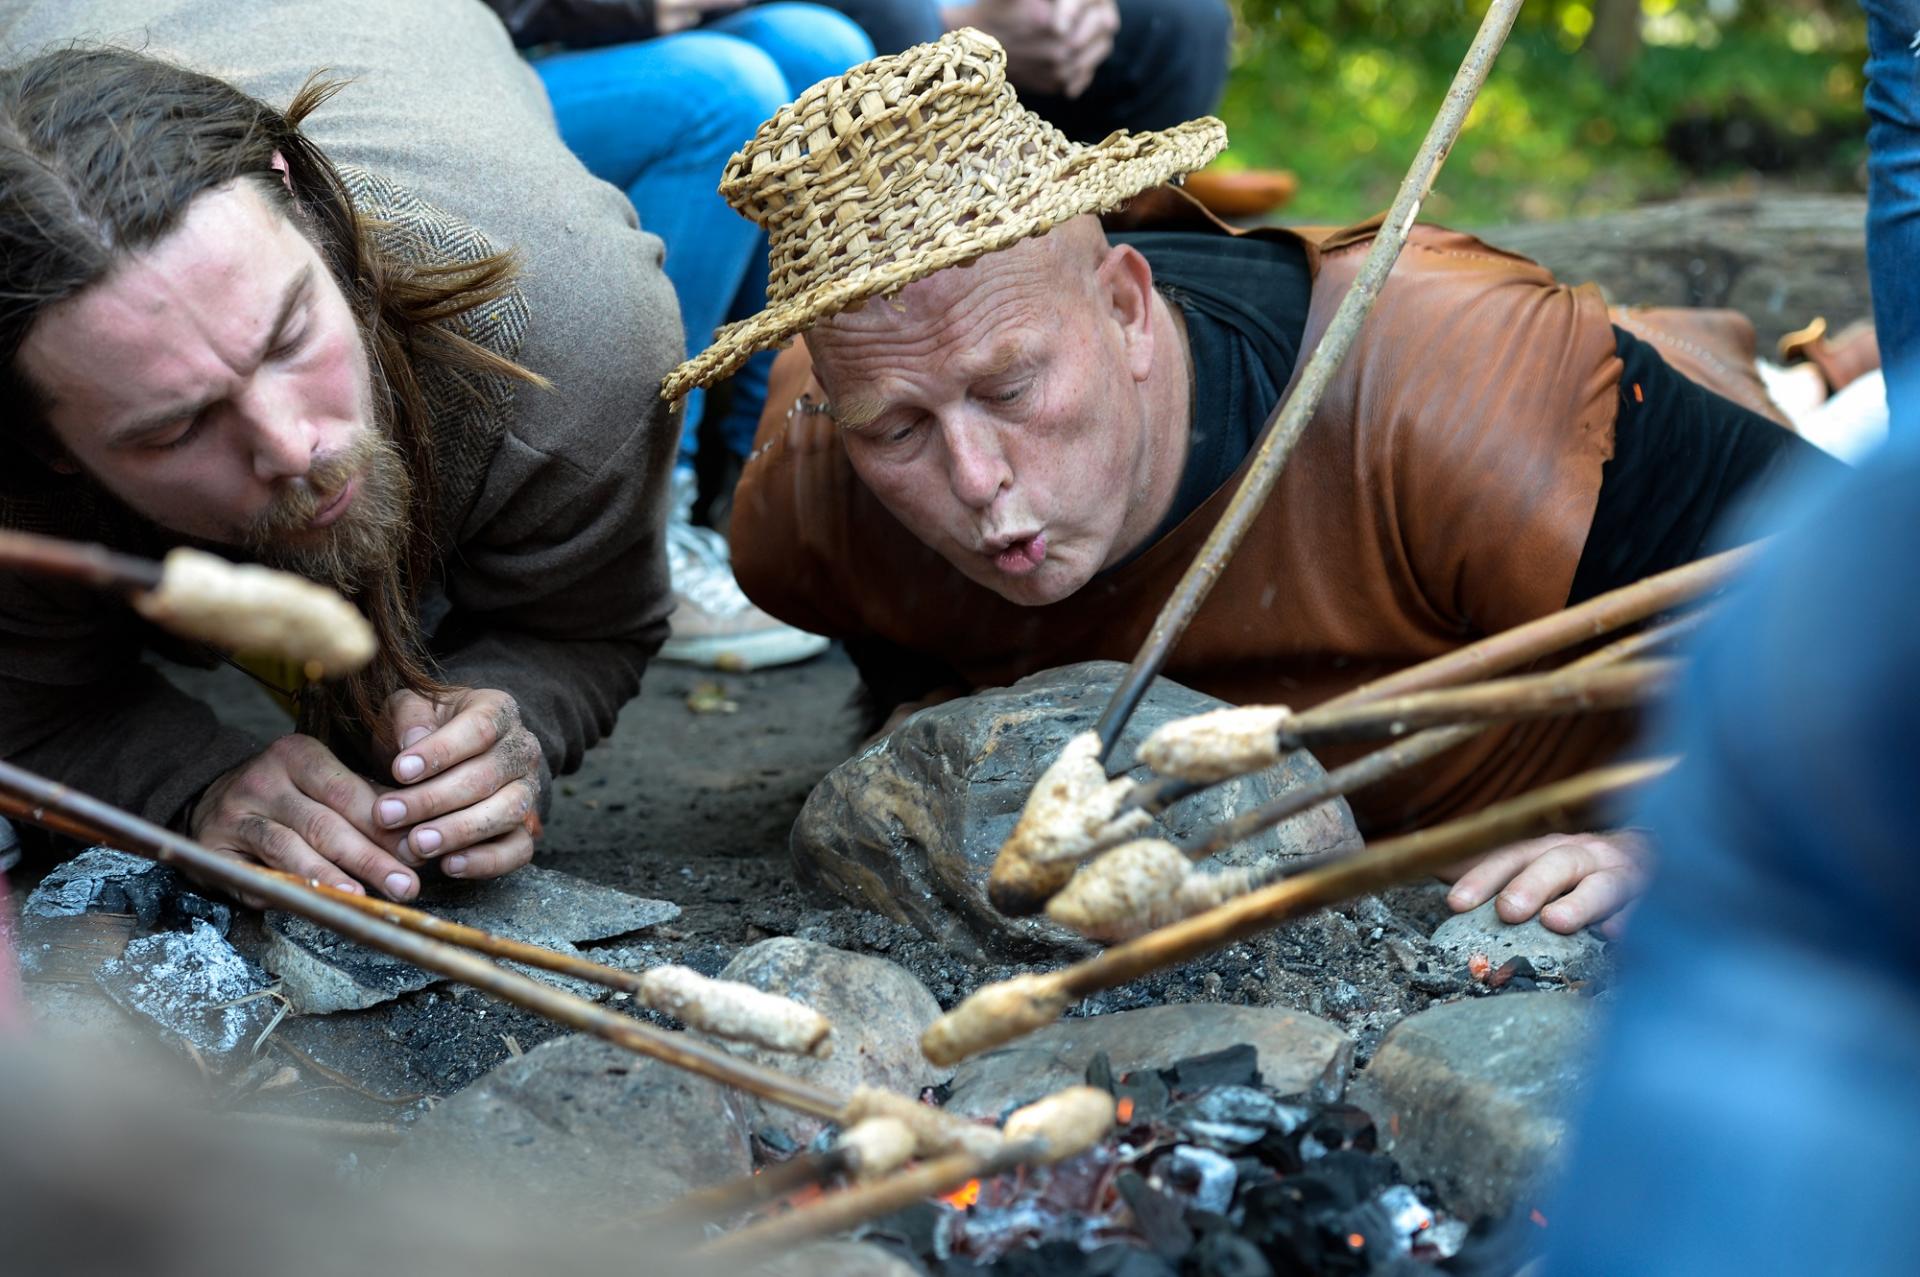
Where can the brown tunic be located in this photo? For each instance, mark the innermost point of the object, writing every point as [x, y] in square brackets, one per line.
[1442, 492]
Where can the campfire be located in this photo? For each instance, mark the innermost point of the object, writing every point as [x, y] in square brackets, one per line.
[1204, 1171]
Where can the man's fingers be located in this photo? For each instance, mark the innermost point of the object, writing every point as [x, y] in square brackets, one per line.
[1491, 872]
[475, 729]
[278, 847]
[411, 718]
[329, 833]
[491, 859]
[1600, 895]
[1552, 874]
[495, 815]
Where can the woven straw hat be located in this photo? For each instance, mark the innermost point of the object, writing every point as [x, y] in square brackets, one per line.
[907, 165]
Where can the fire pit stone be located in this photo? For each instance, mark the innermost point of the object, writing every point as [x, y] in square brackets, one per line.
[577, 1126]
[878, 1011]
[1473, 1096]
[909, 827]
[1296, 1052]
[1576, 957]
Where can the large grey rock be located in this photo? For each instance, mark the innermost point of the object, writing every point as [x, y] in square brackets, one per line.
[1296, 1050]
[1473, 1096]
[878, 1011]
[1777, 259]
[195, 988]
[909, 827]
[1580, 956]
[580, 1128]
[322, 971]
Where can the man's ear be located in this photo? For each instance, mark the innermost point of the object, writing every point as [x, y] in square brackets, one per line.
[1126, 285]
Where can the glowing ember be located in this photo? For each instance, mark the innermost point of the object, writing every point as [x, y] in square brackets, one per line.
[1124, 1109]
[1357, 1240]
[964, 1196]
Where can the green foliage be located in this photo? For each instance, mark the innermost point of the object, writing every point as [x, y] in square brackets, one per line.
[1342, 91]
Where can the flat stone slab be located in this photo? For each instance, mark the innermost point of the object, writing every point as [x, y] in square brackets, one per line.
[1580, 956]
[323, 972]
[1473, 1096]
[194, 988]
[909, 827]
[1297, 1051]
[582, 1129]
[878, 1011]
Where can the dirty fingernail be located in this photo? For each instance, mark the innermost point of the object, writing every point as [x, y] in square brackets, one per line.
[455, 866]
[413, 737]
[398, 884]
[425, 841]
[392, 811]
[409, 766]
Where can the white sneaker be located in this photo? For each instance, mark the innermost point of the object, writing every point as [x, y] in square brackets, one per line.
[714, 623]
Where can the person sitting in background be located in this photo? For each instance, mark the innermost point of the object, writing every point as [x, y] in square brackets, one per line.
[217, 328]
[1016, 432]
[1086, 66]
[654, 96]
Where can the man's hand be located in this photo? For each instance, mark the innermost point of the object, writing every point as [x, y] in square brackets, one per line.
[1571, 880]
[469, 773]
[1053, 46]
[296, 807]
[670, 16]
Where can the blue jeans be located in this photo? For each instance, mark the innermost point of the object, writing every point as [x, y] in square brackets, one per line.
[660, 119]
[1893, 202]
[1755, 1108]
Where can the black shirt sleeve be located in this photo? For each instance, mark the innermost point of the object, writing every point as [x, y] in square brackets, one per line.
[1683, 458]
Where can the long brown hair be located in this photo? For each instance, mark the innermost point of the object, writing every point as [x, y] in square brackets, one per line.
[101, 152]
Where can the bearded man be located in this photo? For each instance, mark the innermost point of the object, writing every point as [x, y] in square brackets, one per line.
[216, 328]
[1007, 456]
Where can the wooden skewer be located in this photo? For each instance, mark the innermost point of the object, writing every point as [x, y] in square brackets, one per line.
[58, 807]
[963, 1032]
[205, 598]
[1598, 616]
[1402, 755]
[702, 1206]
[93, 565]
[1501, 700]
[1291, 415]
[853, 1206]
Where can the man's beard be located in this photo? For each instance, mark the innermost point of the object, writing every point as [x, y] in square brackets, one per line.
[366, 543]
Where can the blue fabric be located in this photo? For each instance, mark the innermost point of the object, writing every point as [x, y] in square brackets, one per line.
[1893, 202]
[1757, 1103]
[660, 118]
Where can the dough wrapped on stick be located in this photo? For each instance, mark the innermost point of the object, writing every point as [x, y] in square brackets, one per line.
[1073, 807]
[244, 607]
[994, 1014]
[878, 1145]
[1218, 745]
[1069, 1122]
[736, 1011]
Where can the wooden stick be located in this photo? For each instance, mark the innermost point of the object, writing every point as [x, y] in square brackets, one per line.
[58, 807]
[861, 1203]
[962, 1033]
[701, 1206]
[1598, 616]
[1500, 700]
[1402, 755]
[93, 565]
[1290, 417]
[323, 1127]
